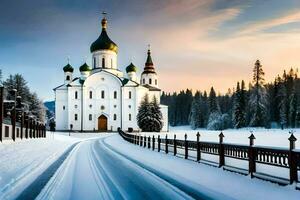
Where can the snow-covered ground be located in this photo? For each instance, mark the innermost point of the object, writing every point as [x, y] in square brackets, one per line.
[111, 168]
[21, 162]
[104, 166]
[264, 137]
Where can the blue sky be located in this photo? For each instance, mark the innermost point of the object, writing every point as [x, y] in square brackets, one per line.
[195, 43]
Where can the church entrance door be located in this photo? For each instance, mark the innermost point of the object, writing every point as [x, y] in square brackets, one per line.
[102, 123]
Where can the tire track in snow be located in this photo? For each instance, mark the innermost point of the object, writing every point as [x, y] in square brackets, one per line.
[199, 193]
[33, 190]
[133, 181]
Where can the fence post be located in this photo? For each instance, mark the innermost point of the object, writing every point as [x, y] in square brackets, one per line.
[251, 155]
[145, 141]
[221, 150]
[30, 127]
[292, 160]
[14, 114]
[175, 145]
[158, 143]
[22, 123]
[1, 111]
[186, 152]
[141, 140]
[166, 143]
[27, 125]
[198, 147]
[153, 142]
[45, 130]
[34, 128]
[149, 146]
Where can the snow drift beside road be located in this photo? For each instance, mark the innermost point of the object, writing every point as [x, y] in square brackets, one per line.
[24, 160]
[264, 137]
[228, 183]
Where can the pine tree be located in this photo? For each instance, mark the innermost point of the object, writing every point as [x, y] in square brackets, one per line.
[213, 102]
[239, 113]
[297, 118]
[149, 116]
[156, 118]
[195, 115]
[258, 98]
[293, 109]
[204, 110]
[282, 93]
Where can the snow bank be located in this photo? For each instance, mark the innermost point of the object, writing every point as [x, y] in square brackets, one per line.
[203, 176]
[24, 160]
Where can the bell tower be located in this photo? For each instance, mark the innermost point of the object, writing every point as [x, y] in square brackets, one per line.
[149, 76]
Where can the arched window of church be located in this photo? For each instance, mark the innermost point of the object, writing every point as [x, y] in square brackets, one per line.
[102, 94]
[76, 117]
[129, 117]
[76, 95]
[150, 81]
[143, 81]
[91, 94]
[103, 63]
[90, 117]
[94, 62]
[68, 78]
[155, 81]
[115, 94]
[115, 117]
[129, 95]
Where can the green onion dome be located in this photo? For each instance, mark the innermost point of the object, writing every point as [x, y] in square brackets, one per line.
[84, 68]
[131, 68]
[68, 68]
[104, 42]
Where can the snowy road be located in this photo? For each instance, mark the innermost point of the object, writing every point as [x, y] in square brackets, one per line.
[94, 170]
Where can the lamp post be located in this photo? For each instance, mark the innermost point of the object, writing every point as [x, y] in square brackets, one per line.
[71, 127]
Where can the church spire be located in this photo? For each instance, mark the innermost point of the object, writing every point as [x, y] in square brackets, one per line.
[104, 21]
[149, 67]
[149, 59]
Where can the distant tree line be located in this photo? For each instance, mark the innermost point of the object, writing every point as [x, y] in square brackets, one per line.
[260, 104]
[17, 81]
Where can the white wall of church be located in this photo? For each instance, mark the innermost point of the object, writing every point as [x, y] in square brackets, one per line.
[110, 59]
[74, 107]
[104, 87]
[61, 109]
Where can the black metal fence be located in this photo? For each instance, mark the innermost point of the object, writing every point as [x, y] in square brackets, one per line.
[288, 158]
[16, 121]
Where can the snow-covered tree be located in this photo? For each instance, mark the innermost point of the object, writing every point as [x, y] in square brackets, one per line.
[213, 104]
[297, 118]
[156, 119]
[195, 118]
[218, 121]
[258, 98]
[36, 106]
[282, 93]
[0, 76]
[149, 116]
[293, 108]
[239, 106]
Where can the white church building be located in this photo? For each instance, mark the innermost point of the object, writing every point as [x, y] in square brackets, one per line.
[103, 98]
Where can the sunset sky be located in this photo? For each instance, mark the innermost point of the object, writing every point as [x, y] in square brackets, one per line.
[195, 43]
